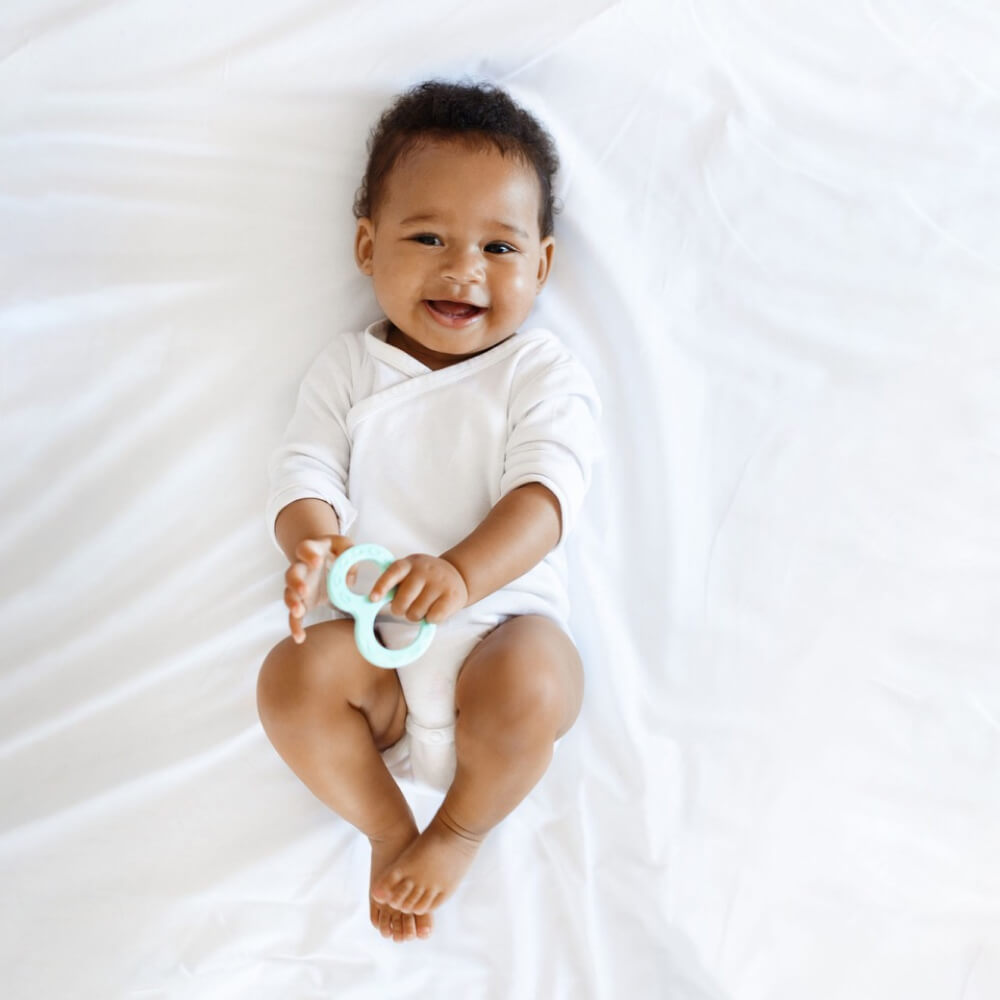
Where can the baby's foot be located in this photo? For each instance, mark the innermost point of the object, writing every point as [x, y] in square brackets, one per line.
[427, 872]
[386, 919]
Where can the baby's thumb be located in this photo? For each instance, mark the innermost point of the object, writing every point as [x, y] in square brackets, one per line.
[310, 549]
[339, 544]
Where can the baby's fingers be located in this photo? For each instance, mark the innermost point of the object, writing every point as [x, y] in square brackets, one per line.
[296, 582]
[394, 575]
[295, 604]
[296, 612]
[412, 598]
[418, 609]
[442, 609]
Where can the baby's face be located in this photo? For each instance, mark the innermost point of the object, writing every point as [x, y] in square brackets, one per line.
[454, 250]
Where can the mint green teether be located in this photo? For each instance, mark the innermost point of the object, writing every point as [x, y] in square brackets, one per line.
[364, 610]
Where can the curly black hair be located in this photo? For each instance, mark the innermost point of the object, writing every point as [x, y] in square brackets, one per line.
[478, 113]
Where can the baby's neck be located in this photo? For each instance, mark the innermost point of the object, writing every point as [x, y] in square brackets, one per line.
[434, 360]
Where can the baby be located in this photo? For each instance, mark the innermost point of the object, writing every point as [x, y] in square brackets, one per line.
[461, 442]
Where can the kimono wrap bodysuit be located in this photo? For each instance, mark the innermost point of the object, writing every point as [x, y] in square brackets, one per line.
[414, 459]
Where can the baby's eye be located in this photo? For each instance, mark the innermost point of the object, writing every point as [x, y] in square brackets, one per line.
[427, 239]
[499, 248]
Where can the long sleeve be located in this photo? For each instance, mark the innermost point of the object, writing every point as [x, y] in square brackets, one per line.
[314, 455]
[553, 436]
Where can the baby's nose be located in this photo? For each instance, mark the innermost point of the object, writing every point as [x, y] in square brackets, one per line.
[463, 266]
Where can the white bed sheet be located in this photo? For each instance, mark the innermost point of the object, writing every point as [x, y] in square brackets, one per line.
[780, 256]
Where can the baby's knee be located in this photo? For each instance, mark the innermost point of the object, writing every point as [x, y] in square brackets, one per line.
[515, 697]
[293, 671]
[278, 679]
[316, 674]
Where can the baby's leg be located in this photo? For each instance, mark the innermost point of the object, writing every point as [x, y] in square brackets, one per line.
[518, 692]
[329, 712]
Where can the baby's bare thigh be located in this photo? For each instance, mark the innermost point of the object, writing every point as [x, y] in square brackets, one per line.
[527, 657]
[327, 670]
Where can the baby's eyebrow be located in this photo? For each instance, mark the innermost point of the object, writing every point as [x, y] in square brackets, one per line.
[511, 229]
[423, 217]
[411, 220]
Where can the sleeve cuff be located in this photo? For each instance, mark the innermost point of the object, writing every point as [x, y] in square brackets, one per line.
[342, 507]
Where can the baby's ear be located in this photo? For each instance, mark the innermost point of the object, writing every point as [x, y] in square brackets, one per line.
[364, 246]
[546, 251]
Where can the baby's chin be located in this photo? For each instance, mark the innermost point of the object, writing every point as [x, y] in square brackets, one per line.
[447, 347]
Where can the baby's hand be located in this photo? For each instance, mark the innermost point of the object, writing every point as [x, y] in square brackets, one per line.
[427, 589]
[305, 579]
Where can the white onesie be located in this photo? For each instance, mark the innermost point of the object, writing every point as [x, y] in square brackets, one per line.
[414, 460]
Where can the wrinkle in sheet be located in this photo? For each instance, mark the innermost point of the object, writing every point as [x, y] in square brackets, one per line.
[811, 173]
[765, 439]
[566, 39]
[920, 213]
[49, 24]
[82, 486]
[87, 647]
[740, 87]
[970, 970]
[623, 129]
[987, 715]
[706, 175]
[967, 74]
[144, 786]
[912, 49]
[279, 30]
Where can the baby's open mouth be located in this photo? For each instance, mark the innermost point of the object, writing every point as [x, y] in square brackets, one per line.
[454, 310]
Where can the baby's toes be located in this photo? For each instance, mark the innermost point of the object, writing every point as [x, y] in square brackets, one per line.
[408, 902]
[403, 892]
[394, 890]
[424, 923]
[385, 921]
[404, 927]
[430, 900]
[420, 903]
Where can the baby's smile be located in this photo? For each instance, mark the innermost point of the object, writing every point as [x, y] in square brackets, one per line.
[453, 314]
[455, 252]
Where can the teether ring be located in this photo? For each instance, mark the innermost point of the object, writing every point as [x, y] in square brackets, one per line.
[364, 610]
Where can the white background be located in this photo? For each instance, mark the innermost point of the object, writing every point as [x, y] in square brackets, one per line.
[779, 255]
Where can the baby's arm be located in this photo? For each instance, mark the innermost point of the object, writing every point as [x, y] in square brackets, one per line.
[517, 534]
[308, 532]
[523, 527]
